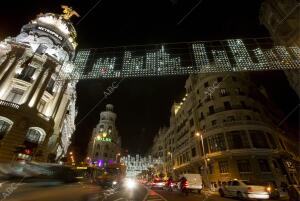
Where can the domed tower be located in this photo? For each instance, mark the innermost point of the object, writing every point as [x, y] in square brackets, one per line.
[37, 103]
[104, 147]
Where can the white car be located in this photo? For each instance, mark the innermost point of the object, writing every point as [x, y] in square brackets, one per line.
[243, 189]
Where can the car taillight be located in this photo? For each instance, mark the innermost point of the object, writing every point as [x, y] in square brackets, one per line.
[249, 189]
[186, 184]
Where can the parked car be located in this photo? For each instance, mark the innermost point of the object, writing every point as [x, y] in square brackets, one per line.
[158, 183]
[294, 192]
[243, 189]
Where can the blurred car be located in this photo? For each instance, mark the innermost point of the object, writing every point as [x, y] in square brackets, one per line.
[294, 192]
[243, 189]
[273, 190]
[158, 183]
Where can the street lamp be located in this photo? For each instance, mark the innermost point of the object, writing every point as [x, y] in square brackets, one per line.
[171, 157]
[205, 158]
[98, 137]
[118, 154]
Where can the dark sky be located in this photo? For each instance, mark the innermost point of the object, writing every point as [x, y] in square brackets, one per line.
[143, 105]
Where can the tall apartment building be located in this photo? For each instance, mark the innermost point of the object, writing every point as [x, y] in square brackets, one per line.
[105, 145]
[225, 127]
[37, 104]
[281, 18]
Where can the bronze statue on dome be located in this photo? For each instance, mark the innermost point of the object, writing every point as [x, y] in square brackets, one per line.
[68, 12]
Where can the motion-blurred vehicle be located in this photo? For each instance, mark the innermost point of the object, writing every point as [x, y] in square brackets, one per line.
[194, 181]
[294, 192]
[184, 185]
[40, 174]
[109, 176]
[272, 190]
[243, 189]
[158, 184]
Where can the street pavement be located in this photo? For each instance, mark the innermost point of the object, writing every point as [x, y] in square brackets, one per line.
[87, 192]
[178, 196]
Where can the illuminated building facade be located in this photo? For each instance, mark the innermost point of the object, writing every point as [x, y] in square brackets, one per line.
[281, 18]
[226, 122]
[37, 108]
[105, 144]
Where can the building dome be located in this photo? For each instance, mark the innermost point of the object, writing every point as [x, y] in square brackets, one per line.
[52, 34]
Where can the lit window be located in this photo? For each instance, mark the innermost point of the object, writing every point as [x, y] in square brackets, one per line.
[15, 95]
[223, 166]
[4, 127]
[34, 136]
[216, 143]
[41, 105]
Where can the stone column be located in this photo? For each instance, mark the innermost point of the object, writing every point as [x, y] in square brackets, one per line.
[11, 69]
[43, 87]
[5, 63]
[64, 88]
[36, 83]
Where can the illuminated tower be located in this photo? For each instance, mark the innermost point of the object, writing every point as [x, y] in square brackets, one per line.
[37, 104]
[104, 146]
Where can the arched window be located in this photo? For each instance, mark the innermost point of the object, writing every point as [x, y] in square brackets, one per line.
[97, 154]
[5, 125]
[98, 146]
[35, 135]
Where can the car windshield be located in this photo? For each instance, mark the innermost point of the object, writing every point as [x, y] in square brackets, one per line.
[249, 183]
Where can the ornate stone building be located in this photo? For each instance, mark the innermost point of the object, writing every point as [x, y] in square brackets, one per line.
[105, 144]
[37, 104]
[226, 128]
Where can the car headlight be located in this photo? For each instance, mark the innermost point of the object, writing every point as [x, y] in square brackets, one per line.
[114, 182]
[130, 183]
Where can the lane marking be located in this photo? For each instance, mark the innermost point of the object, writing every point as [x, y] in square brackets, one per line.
[153, 196]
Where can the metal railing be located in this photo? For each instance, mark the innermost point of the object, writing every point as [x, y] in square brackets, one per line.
[9, 104]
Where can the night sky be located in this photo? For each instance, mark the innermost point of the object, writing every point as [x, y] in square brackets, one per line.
[143, 105]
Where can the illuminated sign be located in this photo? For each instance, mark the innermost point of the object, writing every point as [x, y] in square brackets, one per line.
[81, 168]
[104, 139]
[50, 32]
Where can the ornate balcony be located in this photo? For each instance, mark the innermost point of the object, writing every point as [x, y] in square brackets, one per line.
[9, 104]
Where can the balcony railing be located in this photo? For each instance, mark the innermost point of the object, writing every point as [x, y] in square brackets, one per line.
[9, 104]
[236, 122]
[24, 78]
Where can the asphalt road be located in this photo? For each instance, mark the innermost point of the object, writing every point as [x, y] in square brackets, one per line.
[87, 192]
[68, 192]
[164, 195]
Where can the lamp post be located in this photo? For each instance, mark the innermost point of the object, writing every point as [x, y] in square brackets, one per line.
[205, 158]
[94, 141]
[171, 157]
[118, 154]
